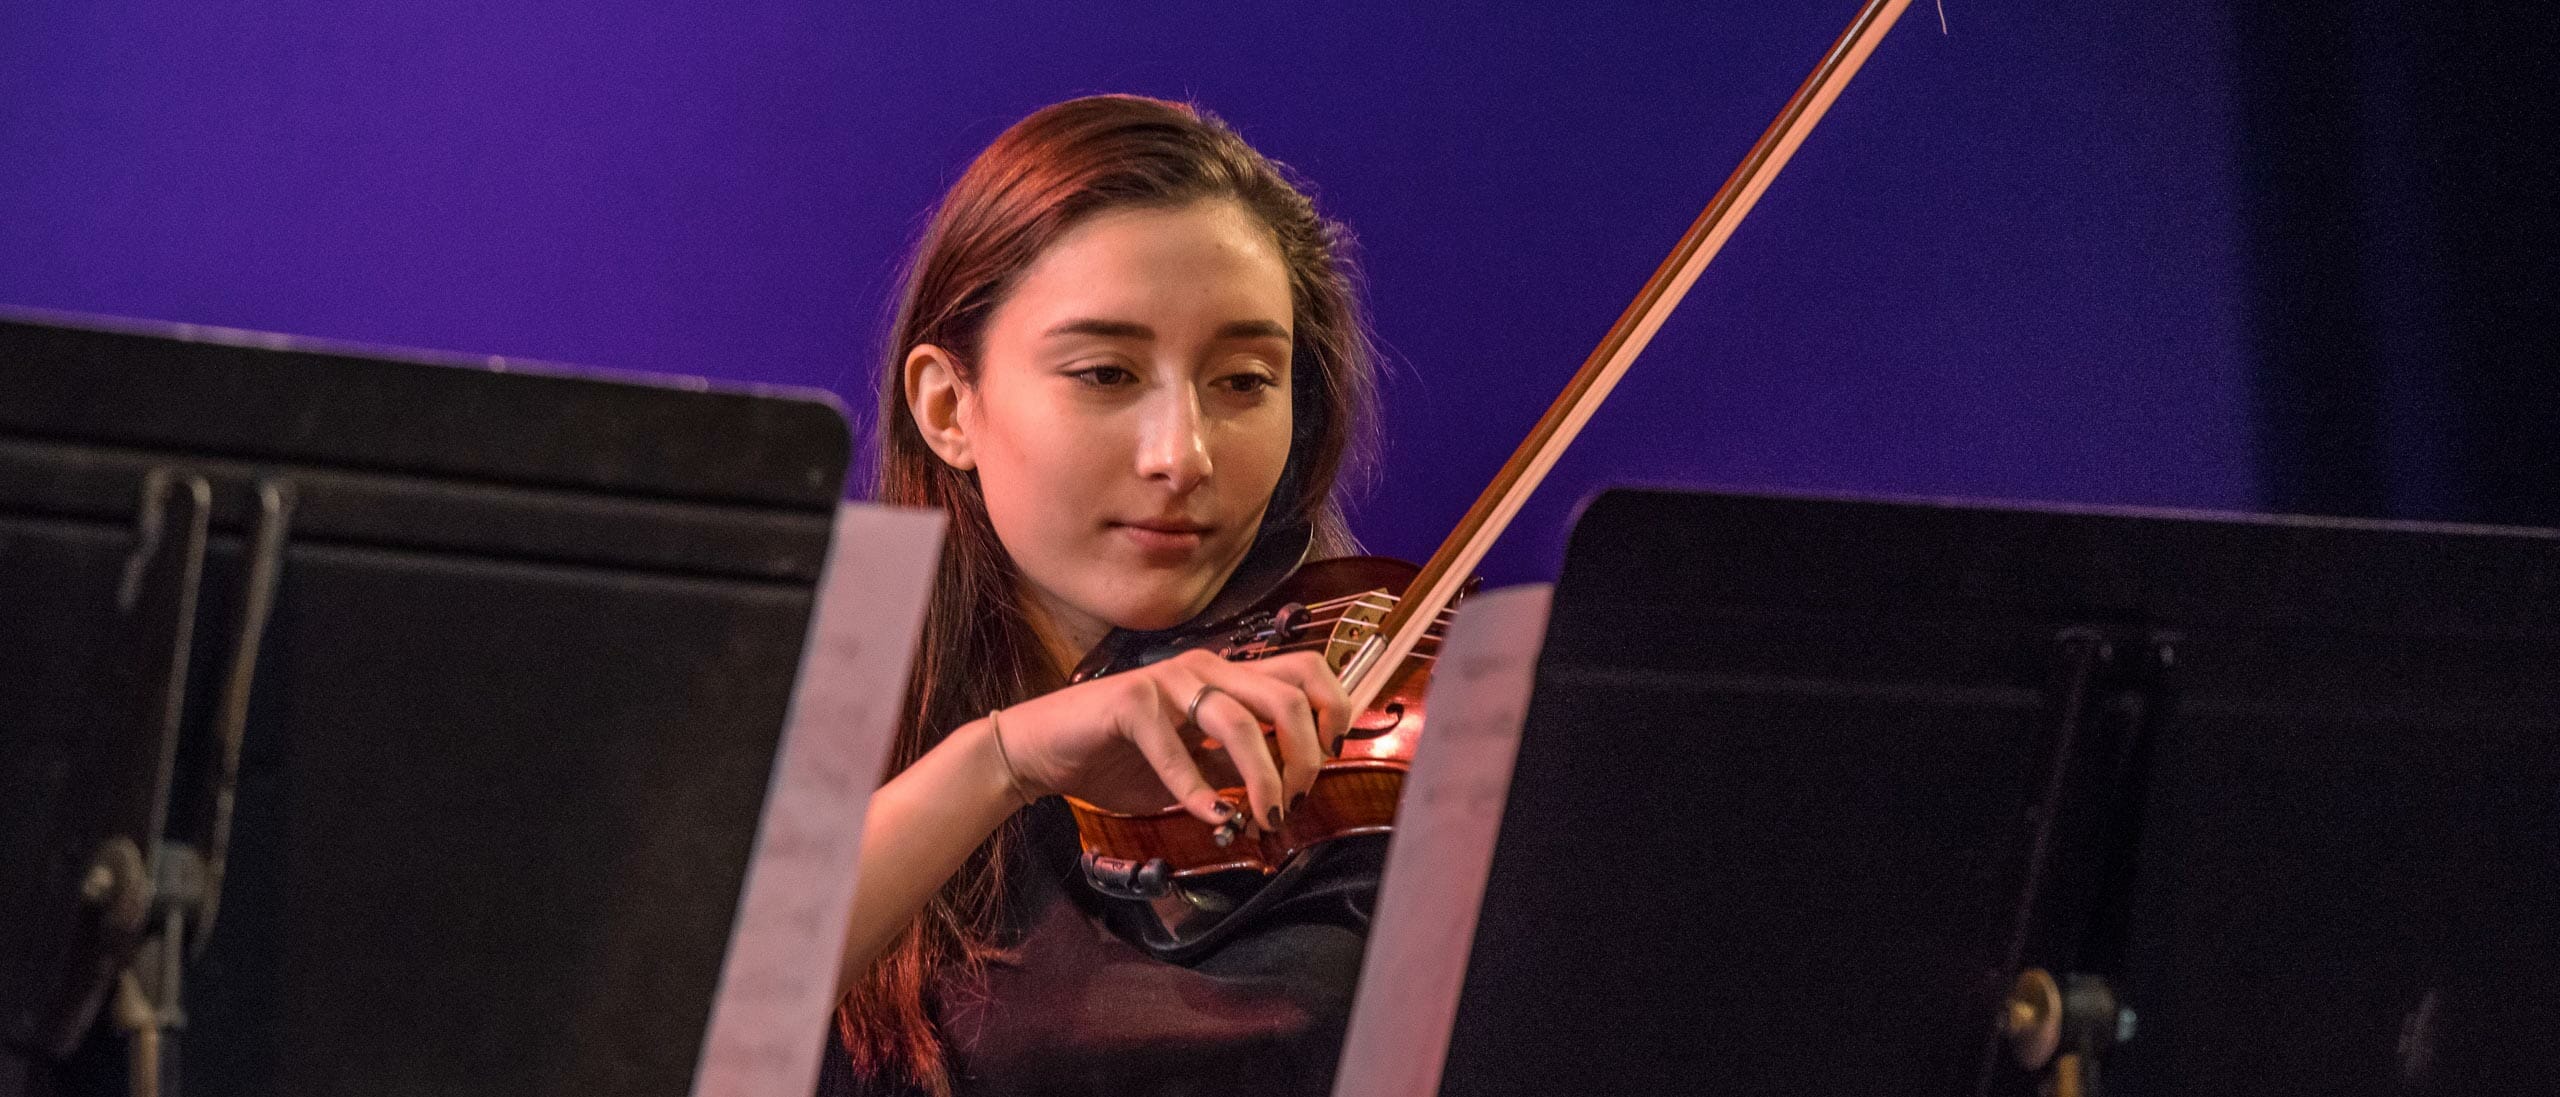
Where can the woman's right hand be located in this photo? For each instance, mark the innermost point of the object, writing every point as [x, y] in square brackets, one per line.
[1125, 743]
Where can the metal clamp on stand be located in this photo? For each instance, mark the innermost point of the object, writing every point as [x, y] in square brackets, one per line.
[2064, 1030]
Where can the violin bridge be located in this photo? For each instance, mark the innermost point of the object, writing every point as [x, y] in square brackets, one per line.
[1354, 634]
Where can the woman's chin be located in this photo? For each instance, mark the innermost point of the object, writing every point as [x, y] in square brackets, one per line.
[1156, 614]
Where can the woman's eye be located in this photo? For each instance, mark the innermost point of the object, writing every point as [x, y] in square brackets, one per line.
[1103, 376]
[1246, 384]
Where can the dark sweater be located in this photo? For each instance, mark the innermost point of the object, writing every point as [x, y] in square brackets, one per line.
[1078, 1010]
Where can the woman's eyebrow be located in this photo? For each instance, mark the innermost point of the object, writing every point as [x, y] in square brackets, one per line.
[1107, 329]
[1253, 329]
[1129, 329]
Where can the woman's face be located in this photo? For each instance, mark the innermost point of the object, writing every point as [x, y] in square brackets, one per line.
[1130, 414]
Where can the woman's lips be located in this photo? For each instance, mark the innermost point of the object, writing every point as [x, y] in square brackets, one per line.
[1162, 542]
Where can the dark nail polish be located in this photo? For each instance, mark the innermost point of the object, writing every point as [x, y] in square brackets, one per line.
[1222, 810]
[1271, 818]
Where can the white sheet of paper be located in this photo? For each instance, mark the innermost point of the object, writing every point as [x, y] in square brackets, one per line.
[769, 1018]
[1443, 847]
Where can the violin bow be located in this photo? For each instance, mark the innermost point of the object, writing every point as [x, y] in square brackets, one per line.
[1447, 572]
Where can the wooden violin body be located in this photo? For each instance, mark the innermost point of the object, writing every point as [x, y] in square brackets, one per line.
[1330, 607]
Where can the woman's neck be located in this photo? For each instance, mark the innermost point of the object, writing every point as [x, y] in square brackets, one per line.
[1065, 634]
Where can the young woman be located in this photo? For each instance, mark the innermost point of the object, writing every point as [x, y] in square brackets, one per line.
[1129, 366]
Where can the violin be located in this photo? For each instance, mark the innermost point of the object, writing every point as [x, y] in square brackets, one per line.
[1378, 621]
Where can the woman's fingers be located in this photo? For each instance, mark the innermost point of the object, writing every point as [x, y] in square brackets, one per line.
[1159, 738]
[1224, 716]
[1284, 706]
[1308, 673]
[1292, 697]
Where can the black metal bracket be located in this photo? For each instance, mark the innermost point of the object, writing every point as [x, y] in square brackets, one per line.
[155, 885]
[260, 576]
[2110, 690]
[189, 857]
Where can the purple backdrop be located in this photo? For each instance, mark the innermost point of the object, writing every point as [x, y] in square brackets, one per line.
[2008, 266]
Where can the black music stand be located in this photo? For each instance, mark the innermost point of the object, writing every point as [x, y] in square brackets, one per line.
[1808, 783]
[443, 700]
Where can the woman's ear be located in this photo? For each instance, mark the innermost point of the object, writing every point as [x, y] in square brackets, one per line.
[934, 397]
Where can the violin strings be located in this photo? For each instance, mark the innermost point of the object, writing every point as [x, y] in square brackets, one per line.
[1314, 645]
[1423, 656]
[1445, 615]
[1441, 624]
[1363, 599]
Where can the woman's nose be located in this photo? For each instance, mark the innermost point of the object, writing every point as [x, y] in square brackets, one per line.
[1175, 445]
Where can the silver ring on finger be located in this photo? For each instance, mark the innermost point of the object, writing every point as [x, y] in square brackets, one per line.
[1191, 712]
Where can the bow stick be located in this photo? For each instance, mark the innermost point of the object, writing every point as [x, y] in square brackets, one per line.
[1437, 585]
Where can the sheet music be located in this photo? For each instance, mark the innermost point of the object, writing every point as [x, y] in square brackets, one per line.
[769, 1018]
[1443, 847]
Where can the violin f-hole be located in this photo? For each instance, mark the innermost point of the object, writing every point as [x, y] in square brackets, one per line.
[1381, 720]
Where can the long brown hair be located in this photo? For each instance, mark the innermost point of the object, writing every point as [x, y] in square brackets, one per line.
[1044, 175]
